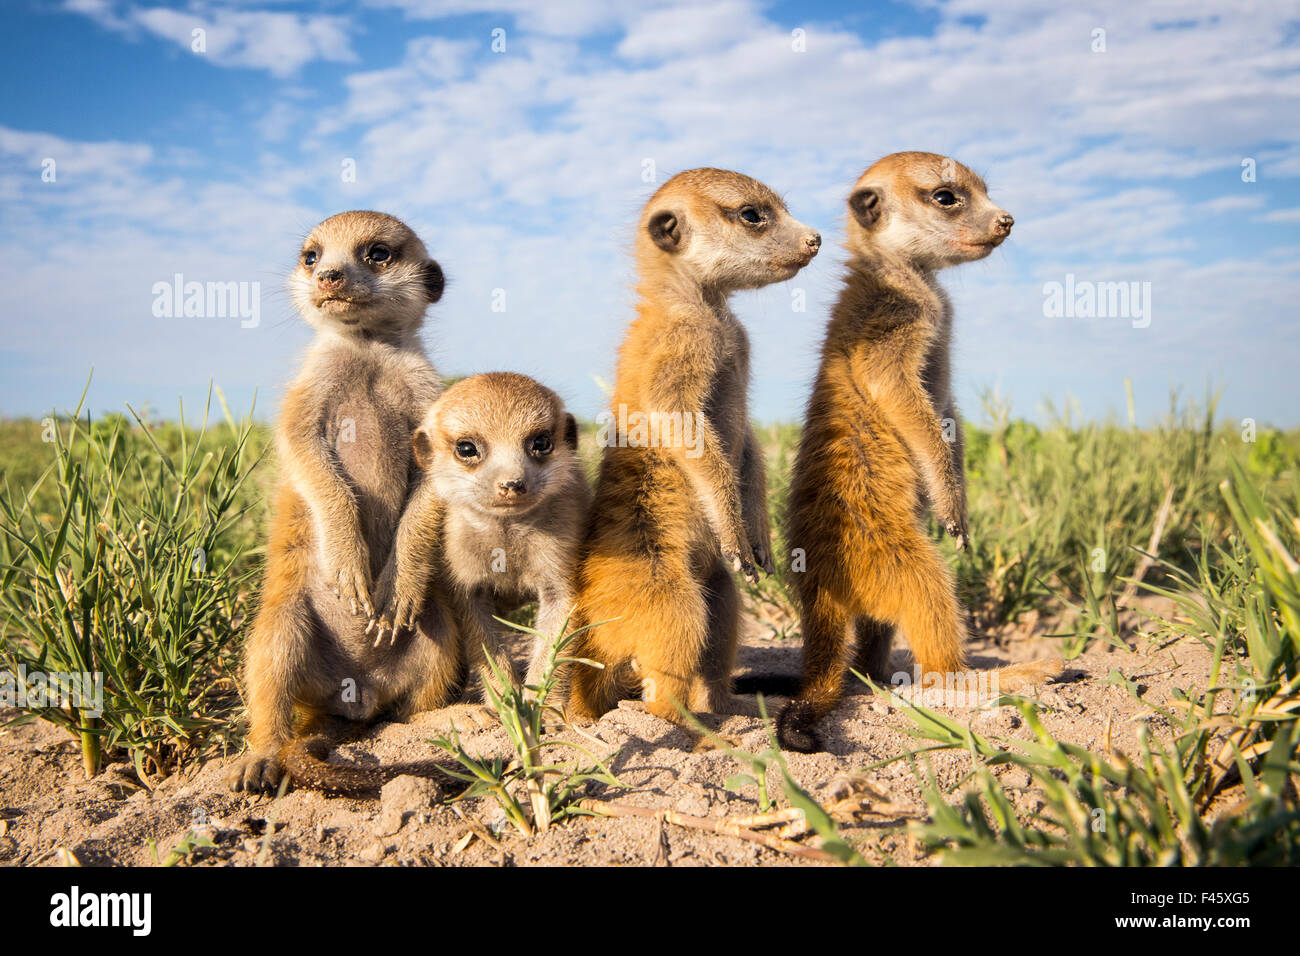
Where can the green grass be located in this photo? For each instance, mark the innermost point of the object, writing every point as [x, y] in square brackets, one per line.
[126, 554]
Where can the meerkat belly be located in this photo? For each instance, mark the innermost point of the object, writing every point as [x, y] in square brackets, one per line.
[857, 460]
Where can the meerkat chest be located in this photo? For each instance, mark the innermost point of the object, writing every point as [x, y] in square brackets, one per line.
[495, 557]
[370, 403]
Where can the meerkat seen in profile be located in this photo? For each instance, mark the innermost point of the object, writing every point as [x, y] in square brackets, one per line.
[883, 438]
[499, 515]
[363, 280]
[681, 497]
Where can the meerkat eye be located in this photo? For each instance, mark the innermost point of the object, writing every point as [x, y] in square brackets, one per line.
[540, 445]
[379, 253]
[466, 450]
[751, 215]
[945, 197]
[309, 257]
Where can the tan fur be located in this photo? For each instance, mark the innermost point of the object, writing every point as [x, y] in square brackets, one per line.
[501, 524]
[883, 437]
[668, 525]
[343, 445]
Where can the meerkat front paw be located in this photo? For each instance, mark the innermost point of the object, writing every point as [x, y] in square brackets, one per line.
[957, 531]
[400, 600]
[256, 772]
[401, 611]
[763, 556]
[350, 575]
[760, 542]
[740, 556]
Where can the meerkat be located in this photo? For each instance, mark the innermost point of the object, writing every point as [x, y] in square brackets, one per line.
[363, 281]
[500, 514]
[681, 496]
[883, 437]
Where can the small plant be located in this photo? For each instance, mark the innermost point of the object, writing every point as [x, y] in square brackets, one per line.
[532, 793]
[185, 851]
[134, 584]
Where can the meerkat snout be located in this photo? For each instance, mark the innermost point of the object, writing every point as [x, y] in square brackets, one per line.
[512, 488]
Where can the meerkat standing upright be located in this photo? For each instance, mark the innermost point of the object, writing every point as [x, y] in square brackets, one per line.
[681, 497]
[364, 281]
[500, 515]
[882, 435]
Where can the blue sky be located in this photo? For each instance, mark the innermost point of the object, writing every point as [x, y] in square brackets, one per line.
[523, 171]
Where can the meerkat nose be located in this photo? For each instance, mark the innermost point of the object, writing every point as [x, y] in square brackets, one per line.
[814, 242]
[330, 277]
[512, 486]
[1005, 222]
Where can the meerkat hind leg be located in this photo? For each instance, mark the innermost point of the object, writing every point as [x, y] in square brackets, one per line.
[875, 642]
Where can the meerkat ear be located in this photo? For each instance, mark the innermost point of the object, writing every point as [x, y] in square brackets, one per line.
[570, 431]
[433, 280]
[422, 446]
[665, 230]
[866, 206]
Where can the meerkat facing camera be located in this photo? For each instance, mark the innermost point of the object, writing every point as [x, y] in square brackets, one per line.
[363, 280]
[499, 514]
[682, 504]
[883, 437]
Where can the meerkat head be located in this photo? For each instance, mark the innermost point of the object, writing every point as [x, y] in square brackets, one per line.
[723, 230]
[495, 442]
[365, 273]
[926, 209]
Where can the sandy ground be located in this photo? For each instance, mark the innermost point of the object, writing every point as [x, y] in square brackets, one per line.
[49, 810]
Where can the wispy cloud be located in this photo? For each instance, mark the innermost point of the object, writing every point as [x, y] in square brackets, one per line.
[276, 41]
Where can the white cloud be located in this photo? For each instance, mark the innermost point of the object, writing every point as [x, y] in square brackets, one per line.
[279, 42]
[1281, 215]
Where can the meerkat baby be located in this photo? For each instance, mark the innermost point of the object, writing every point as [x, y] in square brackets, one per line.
[363, 281]
[883, 438]
[500, 514]
[681, 496]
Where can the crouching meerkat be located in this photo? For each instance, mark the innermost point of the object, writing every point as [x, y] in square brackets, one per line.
[681, 496]
[363, 281]
[499, 515]
[883, 437]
